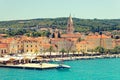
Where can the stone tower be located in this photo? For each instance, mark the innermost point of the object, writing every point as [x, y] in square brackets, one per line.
[70, 28]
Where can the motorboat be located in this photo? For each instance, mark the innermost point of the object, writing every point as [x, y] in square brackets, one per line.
[62, 66]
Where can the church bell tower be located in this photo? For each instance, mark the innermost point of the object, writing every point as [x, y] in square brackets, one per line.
[70, 28]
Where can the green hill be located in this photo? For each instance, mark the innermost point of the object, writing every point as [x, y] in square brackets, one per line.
[81, 25]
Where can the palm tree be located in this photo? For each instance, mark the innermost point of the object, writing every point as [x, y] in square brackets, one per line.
[73, 52]
[62, 51]
[78, 52]
[44, 51]
[100, 49]
[117, 50]
[92, 52]
[107, 51]
[50, 50]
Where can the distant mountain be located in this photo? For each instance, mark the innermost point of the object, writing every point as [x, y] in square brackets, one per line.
[81, 25]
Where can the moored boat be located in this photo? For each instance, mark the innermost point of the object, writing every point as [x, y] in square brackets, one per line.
[62, 66]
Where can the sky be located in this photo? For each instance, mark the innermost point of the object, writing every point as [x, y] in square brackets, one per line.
[86, 9]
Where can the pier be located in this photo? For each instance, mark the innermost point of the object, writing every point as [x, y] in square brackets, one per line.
[33, 66]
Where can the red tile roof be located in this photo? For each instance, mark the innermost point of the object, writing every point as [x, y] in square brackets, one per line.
[97, 36]
[77, 35]
[7, 40]
[3, 45]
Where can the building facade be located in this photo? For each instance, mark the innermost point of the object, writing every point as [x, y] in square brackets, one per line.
[99, 40]
[3, 48]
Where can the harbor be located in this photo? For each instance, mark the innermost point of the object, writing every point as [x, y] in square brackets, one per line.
[29, 62]
[41, 63]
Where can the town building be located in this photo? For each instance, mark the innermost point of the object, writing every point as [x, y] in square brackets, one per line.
[99, 40]
[12, 44]
[82, 46]
[69, 41]
[62, 43]
[3, 48]
[116, 42]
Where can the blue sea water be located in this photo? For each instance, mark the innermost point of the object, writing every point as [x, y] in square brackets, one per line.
[97, 69]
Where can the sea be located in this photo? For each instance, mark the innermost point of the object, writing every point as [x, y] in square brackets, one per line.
[95, 69]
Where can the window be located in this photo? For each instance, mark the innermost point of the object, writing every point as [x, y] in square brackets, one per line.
[1, 51]
[4, 51]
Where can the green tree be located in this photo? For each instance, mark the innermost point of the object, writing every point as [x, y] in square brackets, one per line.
[100, 49]
[28, 34]
[36, 34]
[62, 51]
[73, 51]
[79, 39]
[116, 50]
[107, 51]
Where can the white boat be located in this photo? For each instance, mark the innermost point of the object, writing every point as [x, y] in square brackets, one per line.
[62, 66]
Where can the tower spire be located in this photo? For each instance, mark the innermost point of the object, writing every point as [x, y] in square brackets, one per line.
[70, 28]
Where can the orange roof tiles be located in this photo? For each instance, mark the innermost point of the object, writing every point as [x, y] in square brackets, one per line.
[72, 39]
[7, 40]
[71, 35]
[85, 42]
[46, 46]
[3, 45]
[97, 36]
[61, 39]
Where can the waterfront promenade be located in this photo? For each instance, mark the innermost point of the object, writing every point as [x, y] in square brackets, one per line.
[43, 61]
[57, 57]
[80, 57]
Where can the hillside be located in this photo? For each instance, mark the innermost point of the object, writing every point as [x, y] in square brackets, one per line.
[81, 25]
